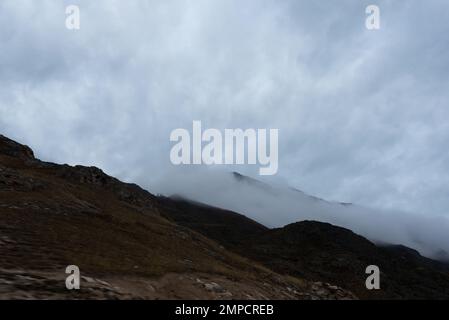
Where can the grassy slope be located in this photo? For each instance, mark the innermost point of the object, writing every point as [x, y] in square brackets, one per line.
[52, 216]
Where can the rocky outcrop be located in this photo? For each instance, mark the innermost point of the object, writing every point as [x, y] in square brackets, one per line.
[14, 149]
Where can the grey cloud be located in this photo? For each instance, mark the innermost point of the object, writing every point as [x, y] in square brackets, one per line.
[362, 115]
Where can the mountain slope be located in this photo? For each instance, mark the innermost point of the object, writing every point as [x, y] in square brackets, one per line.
[320, 252]
[52, 216]
[224, 226]
[129, 243]
[276, 205]
[323, 252]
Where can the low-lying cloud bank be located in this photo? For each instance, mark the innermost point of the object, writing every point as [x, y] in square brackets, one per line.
[278, 205]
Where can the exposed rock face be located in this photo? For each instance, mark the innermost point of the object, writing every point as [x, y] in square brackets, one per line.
[95, 177]
[12, 180]
[14, 149]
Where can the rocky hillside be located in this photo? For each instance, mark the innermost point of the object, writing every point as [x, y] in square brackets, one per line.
[320, 252]
[52, 216]
[130, 244]
[323, 252]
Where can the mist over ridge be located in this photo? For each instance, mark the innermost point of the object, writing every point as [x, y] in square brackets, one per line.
[278, 205]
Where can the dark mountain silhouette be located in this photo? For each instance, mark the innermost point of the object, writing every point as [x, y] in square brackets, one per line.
[318, 251]
[52, 216]
[226, 227]
[129, 243]
[323, 252]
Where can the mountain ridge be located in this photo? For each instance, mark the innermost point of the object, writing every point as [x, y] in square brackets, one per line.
[52, 216]
[130, 243]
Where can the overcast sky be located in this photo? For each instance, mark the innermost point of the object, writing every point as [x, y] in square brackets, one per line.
[362, 115]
